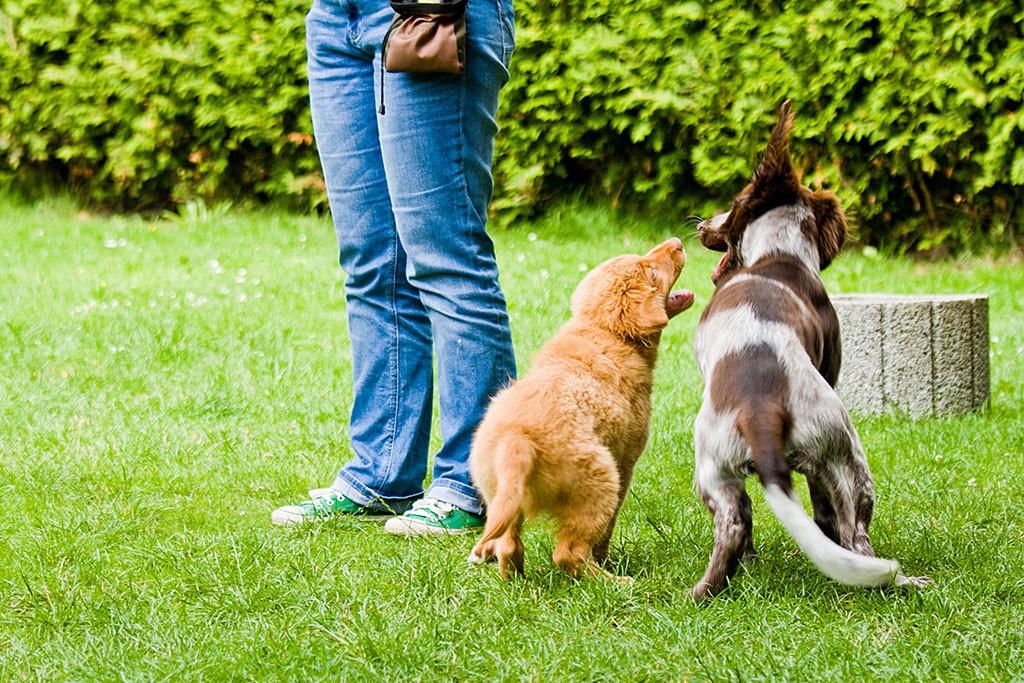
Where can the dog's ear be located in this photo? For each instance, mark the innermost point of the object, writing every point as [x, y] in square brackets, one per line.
[586, 301]
[618, 296]
[640, 313]
[775, 176]
[831, 225]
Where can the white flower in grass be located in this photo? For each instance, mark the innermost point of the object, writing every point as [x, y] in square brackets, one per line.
[194, 300]
[216, 267]
[82, 309]
[583, 267]
[532, 237]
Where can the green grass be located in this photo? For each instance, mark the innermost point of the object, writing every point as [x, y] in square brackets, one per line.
[166, 384]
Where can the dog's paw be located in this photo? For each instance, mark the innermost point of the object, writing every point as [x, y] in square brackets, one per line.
[702, 593]
[479, 559]
[482, 553]
[912, 581]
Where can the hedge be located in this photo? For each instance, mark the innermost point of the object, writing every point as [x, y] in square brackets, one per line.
[909, 109]
[140, 104]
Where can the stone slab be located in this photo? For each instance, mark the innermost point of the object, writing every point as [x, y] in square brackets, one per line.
[921, 354]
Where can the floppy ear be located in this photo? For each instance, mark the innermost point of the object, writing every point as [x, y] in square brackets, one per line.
[831, 222]
[639, 313]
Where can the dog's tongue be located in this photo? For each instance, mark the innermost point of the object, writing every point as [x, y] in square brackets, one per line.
[679, 301]
[717, 272]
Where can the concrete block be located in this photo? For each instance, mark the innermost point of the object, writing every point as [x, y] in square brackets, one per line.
[861, 329]
[922, 354]
[953, 347]
[980, 356]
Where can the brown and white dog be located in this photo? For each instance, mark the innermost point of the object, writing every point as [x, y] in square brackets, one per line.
[767, 346]
[564, 439]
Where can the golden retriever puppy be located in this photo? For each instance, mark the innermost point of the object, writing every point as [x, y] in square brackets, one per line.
[564, 439]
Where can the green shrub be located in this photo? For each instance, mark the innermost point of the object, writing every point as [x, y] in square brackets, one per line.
[910, 109]
[137, 104]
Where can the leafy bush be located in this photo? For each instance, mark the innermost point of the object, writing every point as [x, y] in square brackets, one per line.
[909, 109]
[140, 103]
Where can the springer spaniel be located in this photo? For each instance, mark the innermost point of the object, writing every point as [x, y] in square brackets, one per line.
[767, 345]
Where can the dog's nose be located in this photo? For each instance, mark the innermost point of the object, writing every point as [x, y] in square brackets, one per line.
[675, 247]
[671, 248]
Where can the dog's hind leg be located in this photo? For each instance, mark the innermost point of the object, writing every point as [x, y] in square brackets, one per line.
[501, 540]
[858, 488]
[586, 517]
[854, 496]
[600, 549]
[505, 548]
[724, 499]
[822, 495]
[719, 472]
[510, 552]
[841, 480]
[747, 517]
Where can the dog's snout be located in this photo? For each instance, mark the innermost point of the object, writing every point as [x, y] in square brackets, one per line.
[678, 253]
[672, 247]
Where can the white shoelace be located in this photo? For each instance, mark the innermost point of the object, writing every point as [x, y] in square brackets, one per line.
[437, 508]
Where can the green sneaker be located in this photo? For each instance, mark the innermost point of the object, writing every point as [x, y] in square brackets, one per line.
[324, 507]
[432, 516]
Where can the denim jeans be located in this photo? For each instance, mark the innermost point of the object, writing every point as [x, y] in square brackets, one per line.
[408, 192]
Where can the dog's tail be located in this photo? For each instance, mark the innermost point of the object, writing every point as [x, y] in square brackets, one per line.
[835, 561]
[506, 507]
[845, 566]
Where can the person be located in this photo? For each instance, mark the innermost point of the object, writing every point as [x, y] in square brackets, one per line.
[408, 189]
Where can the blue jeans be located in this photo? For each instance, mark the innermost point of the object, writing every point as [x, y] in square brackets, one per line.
[408, 192]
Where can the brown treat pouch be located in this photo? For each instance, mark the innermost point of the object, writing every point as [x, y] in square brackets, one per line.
[426, 37]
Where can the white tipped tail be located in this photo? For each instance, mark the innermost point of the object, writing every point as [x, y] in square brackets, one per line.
[845, 566]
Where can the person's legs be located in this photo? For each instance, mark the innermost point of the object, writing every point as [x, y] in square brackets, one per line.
[437, 142]
[392, 362]
[414, 182]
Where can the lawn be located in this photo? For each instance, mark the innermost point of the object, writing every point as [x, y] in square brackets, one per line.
[167, 383]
